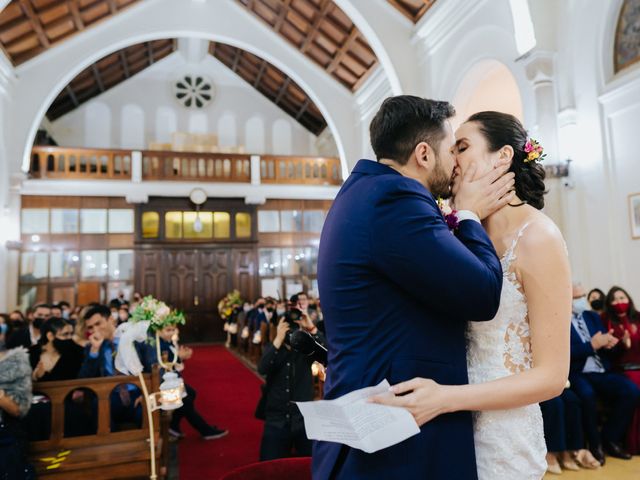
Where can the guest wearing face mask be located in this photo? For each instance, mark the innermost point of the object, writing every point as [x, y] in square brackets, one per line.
[596, 299]
[56, 356]
[623, 319]
[30, 334]
[592, 378]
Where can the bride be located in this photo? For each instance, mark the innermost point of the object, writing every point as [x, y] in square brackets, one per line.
[521, 357]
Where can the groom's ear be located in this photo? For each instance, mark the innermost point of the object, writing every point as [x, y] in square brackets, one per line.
[423, 154]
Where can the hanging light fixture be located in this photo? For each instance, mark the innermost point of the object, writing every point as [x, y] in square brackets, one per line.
[198, 197]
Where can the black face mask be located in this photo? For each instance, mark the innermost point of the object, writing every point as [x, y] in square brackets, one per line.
[17, 324]
[597, 304]
[61, 345]
[270, 309]
[38, 322]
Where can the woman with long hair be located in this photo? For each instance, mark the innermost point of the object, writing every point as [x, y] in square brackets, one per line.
[621, 316]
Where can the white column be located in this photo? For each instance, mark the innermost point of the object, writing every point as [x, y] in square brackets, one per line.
[255, 169]
[9, 198]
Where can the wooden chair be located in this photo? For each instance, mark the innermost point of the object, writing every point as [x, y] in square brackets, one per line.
[107, 454]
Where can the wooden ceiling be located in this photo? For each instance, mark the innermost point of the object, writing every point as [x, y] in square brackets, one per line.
[272, 83]
[107, 73]
[323, 32]
[30, 27]
[412, 9]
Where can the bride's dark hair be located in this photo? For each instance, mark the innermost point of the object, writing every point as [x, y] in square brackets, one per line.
[502, 129]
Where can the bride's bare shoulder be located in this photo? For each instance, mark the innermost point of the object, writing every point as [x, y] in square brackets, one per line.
[542, 238]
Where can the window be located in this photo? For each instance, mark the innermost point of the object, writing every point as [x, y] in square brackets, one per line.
[93, 220]
[64, 220]
[35, 220]
[121, 220]
[269, 261]
[222, 225]
[94, 263]
[64, 264]
[243, 225]
[33, 266]
[291, 221]
[313, 220]
[121, 264]
[173, 224]
[268, 221]
[198, 225]
[150, 225]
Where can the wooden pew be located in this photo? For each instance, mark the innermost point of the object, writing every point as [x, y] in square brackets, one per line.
[107, 454]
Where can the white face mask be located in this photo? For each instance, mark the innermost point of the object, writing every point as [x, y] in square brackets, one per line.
[280, 311]
[246, 308]
[580, 305]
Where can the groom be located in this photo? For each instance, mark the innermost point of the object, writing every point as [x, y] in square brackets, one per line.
[397, 287]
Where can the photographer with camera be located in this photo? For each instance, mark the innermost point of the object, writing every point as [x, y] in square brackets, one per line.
[288, 379]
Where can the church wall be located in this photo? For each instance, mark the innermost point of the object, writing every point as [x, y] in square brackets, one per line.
[143, 110]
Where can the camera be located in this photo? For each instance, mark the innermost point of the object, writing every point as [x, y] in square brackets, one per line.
[292, 316]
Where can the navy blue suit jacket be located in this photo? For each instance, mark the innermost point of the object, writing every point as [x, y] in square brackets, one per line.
[397, 290]
[581, 350]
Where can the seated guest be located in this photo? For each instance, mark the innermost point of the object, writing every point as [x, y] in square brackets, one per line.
[563, 434]
[56, 356]
[149, 356]
[623, 319]
[591, 378]
[30, 334]
[99, 355]
[596, 299]
[15, 401]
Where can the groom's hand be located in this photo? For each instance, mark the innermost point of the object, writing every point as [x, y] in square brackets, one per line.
[484, 195]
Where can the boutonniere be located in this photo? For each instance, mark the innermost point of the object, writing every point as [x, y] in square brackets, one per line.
[450, 215]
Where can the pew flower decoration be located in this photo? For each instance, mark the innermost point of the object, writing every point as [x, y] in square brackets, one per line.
[534, 151]
[227, 306]
[450, 215]
[157, 313]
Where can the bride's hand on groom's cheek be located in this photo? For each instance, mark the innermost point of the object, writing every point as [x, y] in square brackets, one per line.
[423, 398]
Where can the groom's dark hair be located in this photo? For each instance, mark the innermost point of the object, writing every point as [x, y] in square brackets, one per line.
[404, 121]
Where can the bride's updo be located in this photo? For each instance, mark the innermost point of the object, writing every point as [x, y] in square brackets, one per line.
[500, 129]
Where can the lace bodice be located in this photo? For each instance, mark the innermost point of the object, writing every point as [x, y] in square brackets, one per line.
[509, 443]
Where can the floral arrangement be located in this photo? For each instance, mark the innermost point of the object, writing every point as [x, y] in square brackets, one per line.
[450, 215]
[157, 313]
[229, 303]
[534, 151]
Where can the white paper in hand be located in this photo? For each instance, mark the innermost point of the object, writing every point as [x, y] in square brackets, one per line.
[353, 421]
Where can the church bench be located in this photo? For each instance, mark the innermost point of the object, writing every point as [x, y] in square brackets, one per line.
[106, 454]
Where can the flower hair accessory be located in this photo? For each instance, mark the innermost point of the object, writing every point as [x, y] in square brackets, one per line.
[450, 215]
[534, 151]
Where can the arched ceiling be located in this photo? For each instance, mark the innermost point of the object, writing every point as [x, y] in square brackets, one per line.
[414, 10]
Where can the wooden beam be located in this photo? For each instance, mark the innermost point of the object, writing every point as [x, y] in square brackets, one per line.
[282, 14]
[112, 6]
[75, 13]
[125, 65]
[283, 90]
[315, 26]
[263, 68]
[97, 77]
[353, 34]
[27, 9]
[150, 53]
[303, 109]
[72, 95]
[236, 59]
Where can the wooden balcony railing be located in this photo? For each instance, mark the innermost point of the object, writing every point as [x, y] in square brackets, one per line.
[153, 165]
[300, 170]
[192, 166]
[74, 163]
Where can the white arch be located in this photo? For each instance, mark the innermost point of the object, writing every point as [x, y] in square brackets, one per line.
[486, 44]
[218, 21]
[132, 127]
[166, 124]
[98, 115]
[606, 45]
[281, 140]
[227, 130]
[487, 85]
[254, 135]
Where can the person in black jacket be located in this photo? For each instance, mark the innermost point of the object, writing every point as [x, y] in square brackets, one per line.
[289, 379]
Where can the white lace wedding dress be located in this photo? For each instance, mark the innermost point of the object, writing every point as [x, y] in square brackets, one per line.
[509, 443]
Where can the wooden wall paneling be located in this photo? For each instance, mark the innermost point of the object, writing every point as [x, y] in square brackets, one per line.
[245, 274]
[120, 240]
[88, 292]
[149, 272]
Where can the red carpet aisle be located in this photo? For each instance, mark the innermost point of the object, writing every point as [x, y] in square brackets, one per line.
[227, 396]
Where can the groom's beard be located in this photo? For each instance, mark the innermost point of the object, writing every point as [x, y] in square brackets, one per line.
[440, 183]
